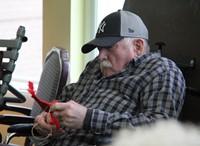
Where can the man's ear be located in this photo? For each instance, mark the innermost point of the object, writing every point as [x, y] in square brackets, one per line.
[139, 47]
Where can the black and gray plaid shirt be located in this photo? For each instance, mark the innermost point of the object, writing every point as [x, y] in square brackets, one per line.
[149, 89]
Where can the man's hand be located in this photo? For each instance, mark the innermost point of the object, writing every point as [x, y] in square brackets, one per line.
[70, 114]
[43, 125]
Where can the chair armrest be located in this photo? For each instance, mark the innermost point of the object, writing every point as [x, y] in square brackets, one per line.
[9, 119]
[19, 109]
[22, 129]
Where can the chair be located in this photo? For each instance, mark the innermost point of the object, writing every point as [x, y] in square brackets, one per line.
[191, 109]
[54, 77]
[8, 56]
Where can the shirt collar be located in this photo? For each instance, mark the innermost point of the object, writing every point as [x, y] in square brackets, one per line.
[143, 58]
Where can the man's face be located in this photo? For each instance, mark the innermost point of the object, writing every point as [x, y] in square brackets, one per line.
[114, 59]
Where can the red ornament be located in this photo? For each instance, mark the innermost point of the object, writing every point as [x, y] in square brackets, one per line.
[43, 104]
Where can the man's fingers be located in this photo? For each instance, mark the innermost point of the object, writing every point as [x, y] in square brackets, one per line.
[58, 106]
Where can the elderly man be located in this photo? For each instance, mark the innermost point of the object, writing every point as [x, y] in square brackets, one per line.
[124, 86]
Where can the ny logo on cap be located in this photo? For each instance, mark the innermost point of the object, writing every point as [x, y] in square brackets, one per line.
[101, 27]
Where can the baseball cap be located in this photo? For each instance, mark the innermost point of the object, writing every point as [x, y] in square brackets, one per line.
[115, 27]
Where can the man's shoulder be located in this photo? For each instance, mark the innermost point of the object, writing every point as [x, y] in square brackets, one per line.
[157, 58]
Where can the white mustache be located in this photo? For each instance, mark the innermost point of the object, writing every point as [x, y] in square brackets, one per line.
[105, 64]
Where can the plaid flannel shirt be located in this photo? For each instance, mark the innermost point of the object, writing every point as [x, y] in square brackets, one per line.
[149, 89]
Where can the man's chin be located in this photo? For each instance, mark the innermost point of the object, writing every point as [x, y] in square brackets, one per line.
[106, 72]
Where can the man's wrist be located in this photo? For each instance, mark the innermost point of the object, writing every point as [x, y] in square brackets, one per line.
[87, 120]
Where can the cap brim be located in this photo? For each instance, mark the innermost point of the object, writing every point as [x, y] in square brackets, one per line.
[100, 42]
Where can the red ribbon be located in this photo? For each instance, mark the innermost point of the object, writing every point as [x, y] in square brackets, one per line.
[43, 104]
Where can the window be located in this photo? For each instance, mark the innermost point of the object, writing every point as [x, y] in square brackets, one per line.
[27, 13]
[103, 9]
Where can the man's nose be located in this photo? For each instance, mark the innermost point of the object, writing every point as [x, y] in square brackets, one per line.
[103, 52]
